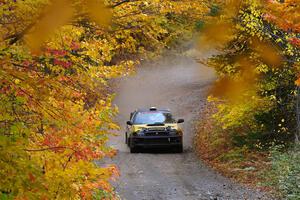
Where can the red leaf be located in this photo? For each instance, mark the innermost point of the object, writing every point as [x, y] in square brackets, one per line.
[31, 177]
[295, 41]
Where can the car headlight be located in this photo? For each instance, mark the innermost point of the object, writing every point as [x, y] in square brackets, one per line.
[139, 133]
[173, 132]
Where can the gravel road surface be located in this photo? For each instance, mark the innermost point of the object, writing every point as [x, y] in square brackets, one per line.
[180, 84]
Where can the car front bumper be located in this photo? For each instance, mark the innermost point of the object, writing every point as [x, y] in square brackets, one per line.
[156, 141]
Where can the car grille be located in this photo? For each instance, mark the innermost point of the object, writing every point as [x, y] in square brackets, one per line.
[157, 141]
[156, 133]
[156, 129]
[164, 140]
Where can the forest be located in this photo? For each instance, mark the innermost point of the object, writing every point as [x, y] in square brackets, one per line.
[250, 129]
[60, 57]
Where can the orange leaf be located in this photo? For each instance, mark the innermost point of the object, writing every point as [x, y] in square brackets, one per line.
[31, 177]
[297, 82]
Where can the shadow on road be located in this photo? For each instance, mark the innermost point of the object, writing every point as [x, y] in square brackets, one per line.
[162, 151]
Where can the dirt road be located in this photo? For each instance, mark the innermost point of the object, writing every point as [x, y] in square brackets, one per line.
[178, 83]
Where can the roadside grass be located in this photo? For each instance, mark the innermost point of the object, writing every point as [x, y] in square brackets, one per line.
[242, 164]
[275, 170]
[284, 173]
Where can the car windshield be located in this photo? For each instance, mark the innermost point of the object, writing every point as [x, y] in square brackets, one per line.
[153, 118]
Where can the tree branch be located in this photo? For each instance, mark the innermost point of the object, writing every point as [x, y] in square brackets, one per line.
[16, 37]
[120, 3]
[47, 149]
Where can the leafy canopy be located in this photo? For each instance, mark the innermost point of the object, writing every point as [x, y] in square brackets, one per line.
[58, 59]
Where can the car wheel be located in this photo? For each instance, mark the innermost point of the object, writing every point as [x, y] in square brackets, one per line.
[133, 150]
[128, 141]
[179, 149]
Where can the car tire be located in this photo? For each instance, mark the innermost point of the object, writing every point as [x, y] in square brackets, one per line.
[128, 141]
[134, 150]
[179, 149]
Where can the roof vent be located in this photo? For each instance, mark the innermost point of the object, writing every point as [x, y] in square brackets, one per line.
[153, 109]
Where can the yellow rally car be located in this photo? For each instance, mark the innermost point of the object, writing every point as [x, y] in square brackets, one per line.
[148, 128]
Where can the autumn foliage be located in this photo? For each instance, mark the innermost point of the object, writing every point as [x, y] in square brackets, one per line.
[258, 67]
[253, 103]
[58, 59]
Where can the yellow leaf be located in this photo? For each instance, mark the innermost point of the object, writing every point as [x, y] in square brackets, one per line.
[232, 90]
[56, 15]
[98, 12]
[215, 35]
[17, 81]
[268, 53]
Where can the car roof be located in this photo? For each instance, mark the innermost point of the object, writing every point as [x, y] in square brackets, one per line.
[149, 110]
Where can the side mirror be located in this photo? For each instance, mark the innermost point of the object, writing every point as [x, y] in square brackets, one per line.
[129, 123]
[131, 114]
[180, 121]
